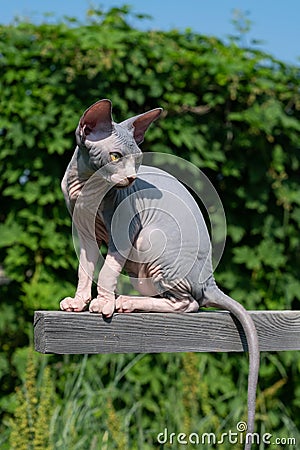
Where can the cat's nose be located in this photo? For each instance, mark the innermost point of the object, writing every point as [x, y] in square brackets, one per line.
[131, 179]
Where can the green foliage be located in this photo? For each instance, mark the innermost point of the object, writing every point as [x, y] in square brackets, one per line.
[34, 405]
[234, 112]
[125, 401]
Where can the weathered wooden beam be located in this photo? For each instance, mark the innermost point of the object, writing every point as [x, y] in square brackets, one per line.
[206, 331]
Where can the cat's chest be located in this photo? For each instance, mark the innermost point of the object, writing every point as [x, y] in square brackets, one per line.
[128, 204]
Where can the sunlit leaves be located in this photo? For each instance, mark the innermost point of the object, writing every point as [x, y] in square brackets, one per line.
[233, 112]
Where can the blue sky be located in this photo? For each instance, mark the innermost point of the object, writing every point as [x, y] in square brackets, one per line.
[275, 22]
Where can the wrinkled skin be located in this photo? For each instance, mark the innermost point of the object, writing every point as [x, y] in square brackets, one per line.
[144, 215]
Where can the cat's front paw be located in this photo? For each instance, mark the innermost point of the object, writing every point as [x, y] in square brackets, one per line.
[75, 304]
[104, 303]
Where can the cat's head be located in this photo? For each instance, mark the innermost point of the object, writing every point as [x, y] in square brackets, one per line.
[113, 147]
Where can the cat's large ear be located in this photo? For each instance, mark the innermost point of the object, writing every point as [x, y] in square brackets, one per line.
[140, 123]
[96, 122]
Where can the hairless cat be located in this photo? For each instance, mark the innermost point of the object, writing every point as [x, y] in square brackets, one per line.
[152, 226]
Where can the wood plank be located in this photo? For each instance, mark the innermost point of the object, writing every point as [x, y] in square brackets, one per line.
[205, 331]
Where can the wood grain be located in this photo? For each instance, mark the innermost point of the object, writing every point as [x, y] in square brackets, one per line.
[206, 331]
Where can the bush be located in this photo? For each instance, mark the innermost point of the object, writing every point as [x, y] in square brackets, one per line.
[232, 111]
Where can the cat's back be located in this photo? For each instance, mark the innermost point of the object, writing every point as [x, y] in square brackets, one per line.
[157, 188]
[160, 200]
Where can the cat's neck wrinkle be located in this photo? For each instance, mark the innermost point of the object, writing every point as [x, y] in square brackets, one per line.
[77, 175]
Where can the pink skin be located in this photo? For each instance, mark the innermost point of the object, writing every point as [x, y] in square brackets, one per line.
[128, 304]
[106, 303]
[97, 132]
[100, 138]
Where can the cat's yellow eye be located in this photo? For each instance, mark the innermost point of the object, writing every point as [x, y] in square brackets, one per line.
[115, 156]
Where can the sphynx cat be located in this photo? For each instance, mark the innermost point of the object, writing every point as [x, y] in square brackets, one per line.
[151, 225]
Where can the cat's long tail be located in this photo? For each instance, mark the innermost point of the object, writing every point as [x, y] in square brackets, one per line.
[214, 297]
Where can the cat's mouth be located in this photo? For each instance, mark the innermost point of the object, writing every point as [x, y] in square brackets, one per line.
[126, 182]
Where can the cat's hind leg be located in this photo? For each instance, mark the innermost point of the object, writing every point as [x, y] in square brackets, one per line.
[127, 304]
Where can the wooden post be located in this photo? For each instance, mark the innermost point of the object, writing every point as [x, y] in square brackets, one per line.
[206, 331]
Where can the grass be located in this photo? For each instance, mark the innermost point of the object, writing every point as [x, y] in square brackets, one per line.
[107, 402]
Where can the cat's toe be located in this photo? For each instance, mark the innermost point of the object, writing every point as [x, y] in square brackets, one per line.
[65, 304]
[96, 305]
[108, 309]
[104, 304]
[70, 304]
[124, 304]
